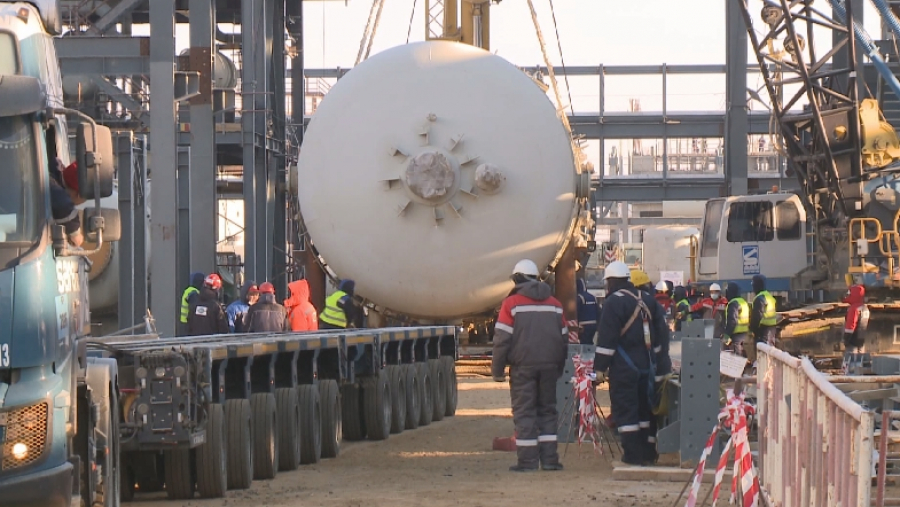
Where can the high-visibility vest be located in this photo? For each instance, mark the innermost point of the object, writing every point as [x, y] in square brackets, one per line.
[684, 307]
[185, 306]
[332, 314]
[769, 314]
[743, 322]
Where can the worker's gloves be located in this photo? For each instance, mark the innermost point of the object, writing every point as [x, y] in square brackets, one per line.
[599, 377]
[500, 379]
[726, 340]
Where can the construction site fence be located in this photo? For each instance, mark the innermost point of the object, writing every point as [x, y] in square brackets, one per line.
[815, 443]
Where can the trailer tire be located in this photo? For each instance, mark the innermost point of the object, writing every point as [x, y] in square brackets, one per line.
[330, 400]
[239, 434]
[452, 392]
[146, 468]
[179, 479]
[426, 393]
[413, 412]
[126, 488]
[310, 424]
[398, 398]
[265, 436]
[351, 412]
[377, 405]
[212, 457]
[439, 385]
[288, 427]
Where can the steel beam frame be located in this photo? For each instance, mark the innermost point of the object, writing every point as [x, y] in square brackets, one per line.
[132, 246]
[203, 204]
[165, 295]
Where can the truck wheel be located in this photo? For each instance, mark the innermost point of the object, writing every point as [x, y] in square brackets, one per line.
[212, 457]
[413, 412]
[265, 436]
[310, 424]
[398, 398]
[179, 479]
[330, 401]
[439, 385]
[452, 392]
[288, 428]
[426, 393]
[239, 430]
[351, 413]
[377, 405]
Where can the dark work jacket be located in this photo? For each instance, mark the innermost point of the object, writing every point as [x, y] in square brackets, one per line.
[530, 330]
[617, 311]
[206, 315]
[266, 316]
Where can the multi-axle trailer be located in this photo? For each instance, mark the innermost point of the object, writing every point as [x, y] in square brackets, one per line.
[211, 413]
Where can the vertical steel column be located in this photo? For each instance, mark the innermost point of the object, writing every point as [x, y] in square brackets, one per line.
[265, 172]
[125, 246]
[840, 58]
[164, 228]
[736, 129]
[185, 239]
[665, 150]
[140, 224]
[203, 207]
[249, 85]
[281, 238]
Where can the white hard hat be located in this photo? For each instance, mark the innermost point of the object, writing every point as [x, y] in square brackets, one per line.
[526, 267]
[617, 269]
[715, 287]
[662, 286]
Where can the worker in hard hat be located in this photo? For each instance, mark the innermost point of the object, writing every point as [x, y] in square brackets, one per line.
[588, 312]
[301, 313]
[641, 280]
[662, 296]
[205, 314]
[737, 320]
[237, 310]
[339, 308]
[266, 315]
[188, 296]
[530, 336]
[712, 306]
[633, 345]
[857, 320]
[683, 312]
[763, 316]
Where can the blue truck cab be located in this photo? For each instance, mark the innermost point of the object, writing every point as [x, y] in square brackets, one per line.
[58, 411]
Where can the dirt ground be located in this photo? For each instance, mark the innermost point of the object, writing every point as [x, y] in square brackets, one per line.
[449, 463]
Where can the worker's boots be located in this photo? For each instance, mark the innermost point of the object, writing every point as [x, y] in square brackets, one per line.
[633, 448]
[528, 456]
[549, 454]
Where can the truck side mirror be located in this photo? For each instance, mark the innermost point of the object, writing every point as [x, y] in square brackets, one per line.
[87, 158]
[108, 219]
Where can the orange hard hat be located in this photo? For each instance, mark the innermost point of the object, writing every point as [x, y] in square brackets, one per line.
[213, 281]
[267, 288]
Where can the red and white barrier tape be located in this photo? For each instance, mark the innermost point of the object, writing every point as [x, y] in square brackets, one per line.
[734, 416]
[588, 422]
[573, 331]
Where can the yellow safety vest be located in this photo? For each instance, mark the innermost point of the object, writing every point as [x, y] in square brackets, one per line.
[743, 323]
[332, 314]
[684, 307]
[185, 307]
[769, 314]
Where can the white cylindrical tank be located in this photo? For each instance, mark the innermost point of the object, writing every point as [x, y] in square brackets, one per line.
[428, 171]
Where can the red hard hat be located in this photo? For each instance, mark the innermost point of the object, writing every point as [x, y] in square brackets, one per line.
[267, 288]
[70, 176]
[213, 281]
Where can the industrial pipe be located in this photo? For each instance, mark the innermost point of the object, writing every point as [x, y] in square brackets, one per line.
[888, 16]
[871, 50]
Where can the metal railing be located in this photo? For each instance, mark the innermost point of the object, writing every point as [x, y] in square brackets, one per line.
[815, 443]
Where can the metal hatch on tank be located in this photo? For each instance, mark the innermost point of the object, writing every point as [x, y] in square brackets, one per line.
[428, 171]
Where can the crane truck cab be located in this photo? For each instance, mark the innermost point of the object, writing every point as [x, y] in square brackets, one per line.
[743, 236]
[58, 412]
